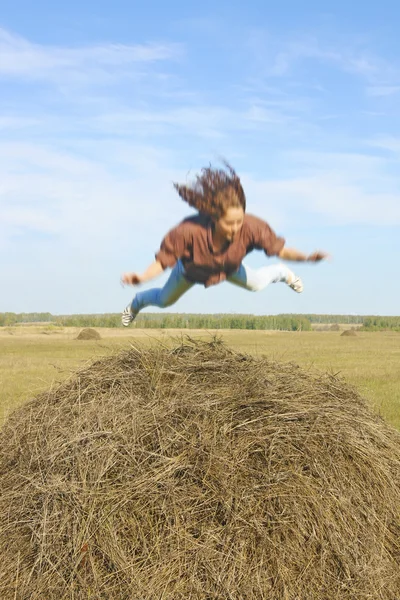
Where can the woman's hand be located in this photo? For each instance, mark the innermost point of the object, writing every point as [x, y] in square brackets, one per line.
[131, 279]
[317, 256]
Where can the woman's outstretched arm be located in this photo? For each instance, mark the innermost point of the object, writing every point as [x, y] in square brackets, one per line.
[151, 272]
[172, 249]
[296, 255]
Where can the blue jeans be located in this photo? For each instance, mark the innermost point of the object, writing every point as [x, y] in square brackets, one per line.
[176, 285]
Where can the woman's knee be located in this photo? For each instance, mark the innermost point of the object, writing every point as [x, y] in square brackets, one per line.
[255, 286]
[166, 301]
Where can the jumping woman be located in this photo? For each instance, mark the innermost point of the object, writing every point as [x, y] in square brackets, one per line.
[209, 247]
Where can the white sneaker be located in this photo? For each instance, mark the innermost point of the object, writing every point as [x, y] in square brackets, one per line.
[127, 316]
[296, 284]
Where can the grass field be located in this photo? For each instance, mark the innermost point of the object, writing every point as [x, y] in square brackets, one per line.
[33, 358]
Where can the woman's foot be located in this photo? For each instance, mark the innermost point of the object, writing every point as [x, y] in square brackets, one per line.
[127, 316]
[295, 283]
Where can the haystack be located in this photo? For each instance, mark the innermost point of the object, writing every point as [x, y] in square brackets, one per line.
[349, 333]
[88, 334]
[199, 473]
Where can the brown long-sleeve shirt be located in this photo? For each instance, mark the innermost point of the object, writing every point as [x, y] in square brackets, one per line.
[191, 242]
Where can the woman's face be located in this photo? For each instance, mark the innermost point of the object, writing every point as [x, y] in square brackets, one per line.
[230, 223]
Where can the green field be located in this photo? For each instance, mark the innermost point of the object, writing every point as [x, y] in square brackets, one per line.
[33, 358]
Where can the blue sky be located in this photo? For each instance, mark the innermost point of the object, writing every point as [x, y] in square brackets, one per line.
[103, 105]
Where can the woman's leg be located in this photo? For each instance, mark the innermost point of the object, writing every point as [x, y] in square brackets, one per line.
[173, 289]
[257, 279]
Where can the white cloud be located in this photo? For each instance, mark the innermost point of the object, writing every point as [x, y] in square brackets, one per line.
[20, 58]
[22, 219]
[11, 122]
[341, 188]
[391, 144]
[213, 122]
[110, 191]
[383, 90]
[335, 200]
[285, 60]
[31, 156]
[278, 57]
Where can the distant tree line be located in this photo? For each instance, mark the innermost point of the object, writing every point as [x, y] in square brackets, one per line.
[162, 320]
[223, 321]
[9, 318]
[324, 319]
[379, 323]
[166, 321]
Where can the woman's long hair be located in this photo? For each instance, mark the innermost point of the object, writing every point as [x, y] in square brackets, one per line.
[214, 191]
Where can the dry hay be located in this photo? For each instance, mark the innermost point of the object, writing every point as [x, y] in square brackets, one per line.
[88, 334]
[199, 473]
[349, 333]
